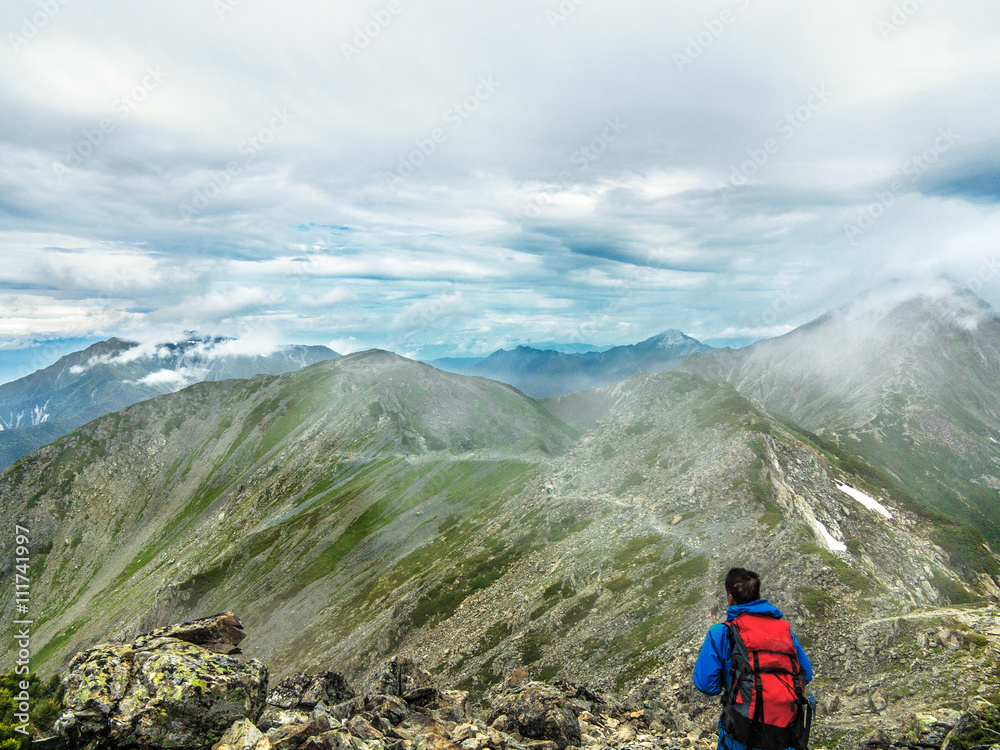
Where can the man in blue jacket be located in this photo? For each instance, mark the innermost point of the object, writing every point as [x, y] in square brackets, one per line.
[711, 671]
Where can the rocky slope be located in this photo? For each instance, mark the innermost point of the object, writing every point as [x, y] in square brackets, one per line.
[110, 375]
[373, 506]
[904, 379]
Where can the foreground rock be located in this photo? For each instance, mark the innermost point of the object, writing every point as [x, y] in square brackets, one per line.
[162, 690]
[186, 688]
[539, 711]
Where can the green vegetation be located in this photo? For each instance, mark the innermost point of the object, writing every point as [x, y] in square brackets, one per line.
[578, 611]
[639, 428]
[854, 579]
[45, 700]
[817, 601]
[965, 545]
[633, 480]
[953, 591]
[772, 516]
[980, 734]
[531, 645]
[554, 594]
[494, 635]
[471, 575]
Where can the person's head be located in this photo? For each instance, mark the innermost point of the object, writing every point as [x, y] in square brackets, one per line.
[742, 585]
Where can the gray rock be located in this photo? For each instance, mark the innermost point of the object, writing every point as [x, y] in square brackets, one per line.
[537, 711]
[304, 691]
[242, 735]
[221, 634]
[404, 678]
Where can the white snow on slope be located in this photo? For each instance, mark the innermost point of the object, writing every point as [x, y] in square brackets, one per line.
[865, 500]
[832, 543]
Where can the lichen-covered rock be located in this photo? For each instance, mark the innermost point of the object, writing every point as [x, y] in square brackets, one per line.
[221, 634]
[291, 736]
[453, 705]
[977, 727]
[242, 735]
[274, 716]
[537, 711]
[402, 677]
[160, 692]
[306, 690]
[392, 708]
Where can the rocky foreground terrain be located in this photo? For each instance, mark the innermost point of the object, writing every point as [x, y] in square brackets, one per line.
[189, 686]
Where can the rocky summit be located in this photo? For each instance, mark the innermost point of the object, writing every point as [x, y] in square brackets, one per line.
[164, 690]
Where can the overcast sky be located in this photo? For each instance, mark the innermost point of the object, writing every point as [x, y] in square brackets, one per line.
[452, 177]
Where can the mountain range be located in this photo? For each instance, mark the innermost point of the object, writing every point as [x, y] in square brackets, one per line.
[542, 373]
[370, 505]
[113, 374]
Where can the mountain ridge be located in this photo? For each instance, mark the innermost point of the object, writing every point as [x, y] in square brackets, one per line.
[547, 373]
[909, 382]
[110, 375]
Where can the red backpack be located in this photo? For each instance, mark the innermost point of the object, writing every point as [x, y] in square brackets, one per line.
[765, 705]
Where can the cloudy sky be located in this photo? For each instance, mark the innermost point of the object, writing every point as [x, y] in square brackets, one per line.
[452, 177]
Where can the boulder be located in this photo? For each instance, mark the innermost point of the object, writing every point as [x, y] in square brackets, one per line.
[404, 678]
[291, 736]
[539, 712]
[304, 691]
[161, 691]
[242, 735]
[221, 634]
[979, 726]
[453, 705]
[392, 708]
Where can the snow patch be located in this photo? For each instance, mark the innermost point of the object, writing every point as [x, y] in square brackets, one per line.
[867, 501]
[832, 543]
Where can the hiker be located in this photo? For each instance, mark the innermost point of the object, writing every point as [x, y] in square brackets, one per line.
[755, 653]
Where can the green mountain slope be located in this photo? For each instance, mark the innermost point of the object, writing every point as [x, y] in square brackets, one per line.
[909, 382]
[264, 485]
[372, 505]
[110, 375]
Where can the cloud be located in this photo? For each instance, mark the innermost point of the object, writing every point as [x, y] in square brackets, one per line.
[172, 380]
[622, 167]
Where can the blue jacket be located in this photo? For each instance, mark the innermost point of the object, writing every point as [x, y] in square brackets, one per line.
[711, 671]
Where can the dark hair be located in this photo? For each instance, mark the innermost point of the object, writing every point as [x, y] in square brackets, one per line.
[743, 585]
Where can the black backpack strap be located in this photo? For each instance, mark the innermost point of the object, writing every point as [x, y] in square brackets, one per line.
[757, 719]
[804, 721]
